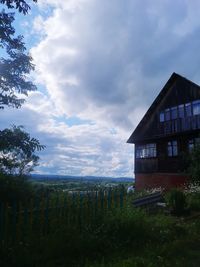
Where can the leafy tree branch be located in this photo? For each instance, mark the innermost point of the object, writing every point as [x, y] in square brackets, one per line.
[20, 5]
[17, 64]
[17, 151]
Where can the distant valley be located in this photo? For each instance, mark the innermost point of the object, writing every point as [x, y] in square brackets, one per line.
[79, 183]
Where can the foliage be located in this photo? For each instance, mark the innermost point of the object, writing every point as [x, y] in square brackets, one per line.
[14, 188]
[194, 166]
[194, 201]
[17, 64]
[15, 67]
[105, 237]
[176, 200]
[20, 5]
[17, 151]
[192, 191]
[78, 184]
[17, 148]
[192, 187]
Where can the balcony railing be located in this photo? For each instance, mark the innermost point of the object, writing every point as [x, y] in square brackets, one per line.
[179, 125]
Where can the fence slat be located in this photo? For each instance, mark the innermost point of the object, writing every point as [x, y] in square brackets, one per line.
[38, 217]
[14, 221]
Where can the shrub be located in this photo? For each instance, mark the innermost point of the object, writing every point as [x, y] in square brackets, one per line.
[194, 201]
[194, 166]
[14, 188]
[192, 188]
[176, 200]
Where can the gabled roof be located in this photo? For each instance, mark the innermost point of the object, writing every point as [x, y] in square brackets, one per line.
[155, 103]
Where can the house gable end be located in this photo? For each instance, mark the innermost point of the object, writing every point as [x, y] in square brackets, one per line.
[178, 90]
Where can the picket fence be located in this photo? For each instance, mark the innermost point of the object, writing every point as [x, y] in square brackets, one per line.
[42, 216]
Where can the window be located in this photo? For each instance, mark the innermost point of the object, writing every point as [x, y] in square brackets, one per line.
[188, 109]
[172, 148]
[167, 114]
[146, 151]
[196, 107]
[174, 113]
[162, 116]
[151, 150]
[139, 152]
[181, 111]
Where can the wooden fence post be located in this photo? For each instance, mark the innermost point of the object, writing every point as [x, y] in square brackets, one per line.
[14, 221]
[116, 202]
[31, 216]
[102, 200]
[25, 223]
[46, 215]
[80, 211]
[109, 199]
[96, 204]
[36, 211]
[121, 199]
[2, 218]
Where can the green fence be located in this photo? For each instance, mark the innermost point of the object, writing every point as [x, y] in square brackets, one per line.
[41, 216]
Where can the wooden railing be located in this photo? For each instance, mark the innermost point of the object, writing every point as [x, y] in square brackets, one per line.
[179, 125]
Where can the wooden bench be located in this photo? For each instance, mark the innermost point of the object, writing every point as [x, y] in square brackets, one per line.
[148, 201]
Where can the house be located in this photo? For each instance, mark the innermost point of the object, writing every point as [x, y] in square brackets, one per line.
[167, 132]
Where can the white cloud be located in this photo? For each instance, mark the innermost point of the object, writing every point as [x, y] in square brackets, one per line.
[103, 62]
[79, 149]
[38, 25]
[85, 75]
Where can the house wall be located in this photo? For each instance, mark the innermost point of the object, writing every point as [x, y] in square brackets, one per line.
[156, 180]
[164, 163]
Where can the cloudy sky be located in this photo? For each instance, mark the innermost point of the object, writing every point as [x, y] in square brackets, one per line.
[99, 66]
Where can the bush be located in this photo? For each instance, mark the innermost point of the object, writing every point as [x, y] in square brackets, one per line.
[194, 166]
[194, 201]
[176, 201]
[15, 188]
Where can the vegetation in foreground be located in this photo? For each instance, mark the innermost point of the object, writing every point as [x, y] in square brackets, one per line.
[93, 231]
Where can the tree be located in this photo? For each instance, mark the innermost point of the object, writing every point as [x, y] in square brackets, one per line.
[17, 63]
[17, 151]
[21, 5]
[17, 148]
[194, 164]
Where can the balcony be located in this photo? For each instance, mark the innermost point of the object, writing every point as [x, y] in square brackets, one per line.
[179, 125]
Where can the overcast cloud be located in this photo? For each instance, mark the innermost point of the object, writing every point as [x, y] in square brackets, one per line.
[99, 66]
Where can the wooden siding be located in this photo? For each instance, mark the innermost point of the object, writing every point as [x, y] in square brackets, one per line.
[170, 164]
[146, 165]
[164, 163]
